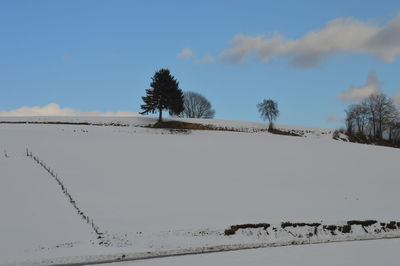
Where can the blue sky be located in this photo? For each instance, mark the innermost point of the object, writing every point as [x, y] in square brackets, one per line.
[100, 55]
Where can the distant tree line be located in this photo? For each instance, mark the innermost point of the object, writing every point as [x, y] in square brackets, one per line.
[375, 118]
[165, 94]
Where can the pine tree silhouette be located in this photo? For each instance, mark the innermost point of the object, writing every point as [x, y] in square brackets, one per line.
[163, 95]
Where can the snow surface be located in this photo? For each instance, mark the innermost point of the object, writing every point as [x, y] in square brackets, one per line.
[365, 253]
[150, 189]
[35, 220]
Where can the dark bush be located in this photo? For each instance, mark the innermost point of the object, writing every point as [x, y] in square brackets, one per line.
[336, 135]
[284, 132]
[179, 125]
[391, 225]
[330, 227]
[363, 139]
[362, 223]
[287, 224]
[345, 229]
[232, 230]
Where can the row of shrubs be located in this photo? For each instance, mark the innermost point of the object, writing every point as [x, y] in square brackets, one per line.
[345, 229]
[359, 137]
[179, 125]
[232, 230]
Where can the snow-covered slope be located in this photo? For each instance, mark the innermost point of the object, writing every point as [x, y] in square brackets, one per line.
[34, 218]
[151, 189]
[365, 253]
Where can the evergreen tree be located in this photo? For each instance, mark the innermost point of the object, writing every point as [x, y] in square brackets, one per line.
[163, 95]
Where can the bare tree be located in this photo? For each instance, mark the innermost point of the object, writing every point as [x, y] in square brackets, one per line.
[380, 110]
[350, 120]
[268, 110]
[393, 126]
[196, 106]
[356, 118]
[387, 112]
[375, 116]
[394, 130]
[361, 117]
[370, 104]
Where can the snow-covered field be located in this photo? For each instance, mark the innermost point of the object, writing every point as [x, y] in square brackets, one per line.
[153, 190]
[34, 218]
[365, 253]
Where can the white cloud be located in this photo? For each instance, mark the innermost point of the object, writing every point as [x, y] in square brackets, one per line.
[356, 93]
[342, 35]
[185, 53]
[53, 109]
[334, 119]
[206, 59]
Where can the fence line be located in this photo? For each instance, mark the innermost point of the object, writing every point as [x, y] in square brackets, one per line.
[72, 201]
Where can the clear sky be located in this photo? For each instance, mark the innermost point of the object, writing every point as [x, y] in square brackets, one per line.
[312, 57]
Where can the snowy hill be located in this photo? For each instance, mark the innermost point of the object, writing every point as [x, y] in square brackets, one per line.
[153, 190]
